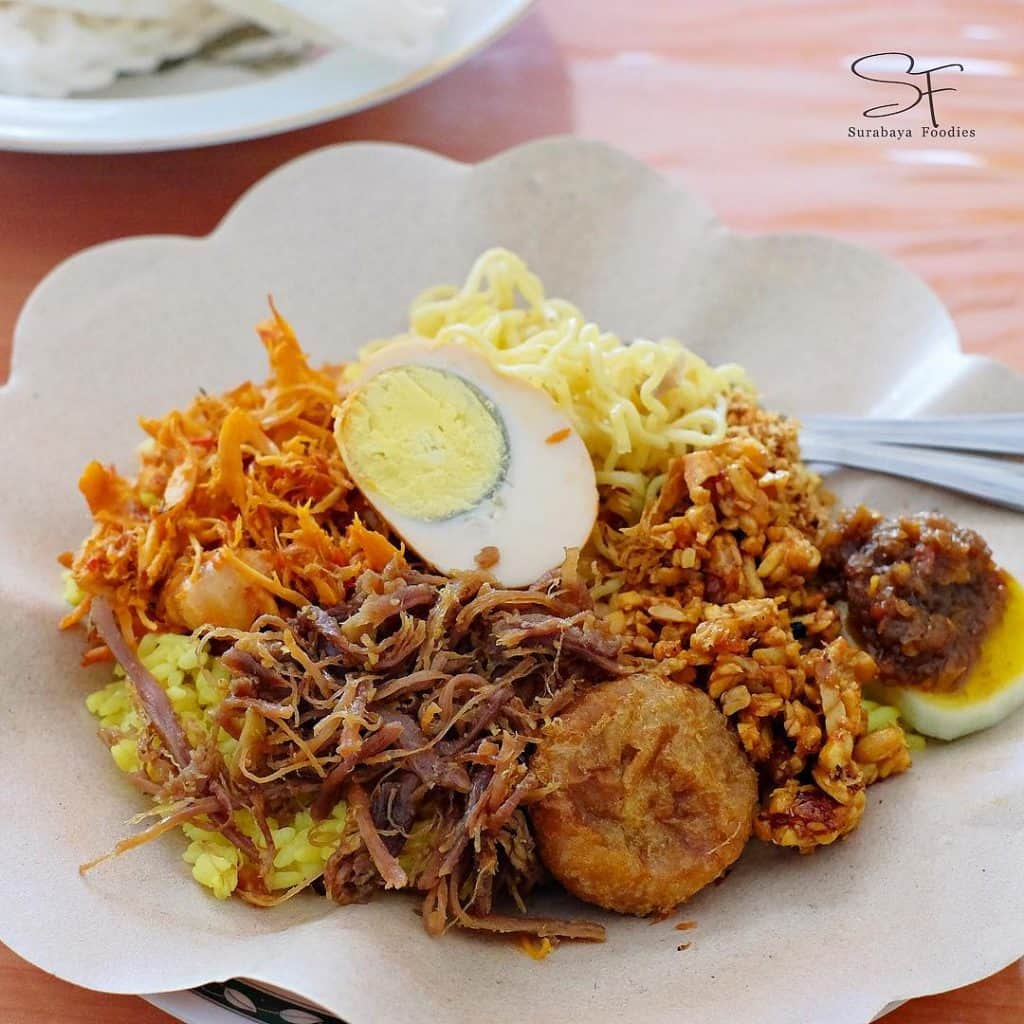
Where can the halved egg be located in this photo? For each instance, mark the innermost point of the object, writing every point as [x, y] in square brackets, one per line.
[468, 465]
[994, 687]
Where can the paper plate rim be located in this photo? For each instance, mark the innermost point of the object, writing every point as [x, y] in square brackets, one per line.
[953, 350]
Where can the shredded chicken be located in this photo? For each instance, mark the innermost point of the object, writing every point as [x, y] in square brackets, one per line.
[416, 700]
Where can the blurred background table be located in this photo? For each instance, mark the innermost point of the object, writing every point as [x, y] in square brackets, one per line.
[747, 102]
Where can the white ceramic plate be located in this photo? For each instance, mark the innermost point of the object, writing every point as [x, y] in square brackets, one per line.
[196, 103]
[235, 1001]
[135, 326]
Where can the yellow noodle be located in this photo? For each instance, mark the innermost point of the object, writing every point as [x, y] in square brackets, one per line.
[635, 405]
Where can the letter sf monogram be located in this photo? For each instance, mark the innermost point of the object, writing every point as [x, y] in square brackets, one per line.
[862, 67]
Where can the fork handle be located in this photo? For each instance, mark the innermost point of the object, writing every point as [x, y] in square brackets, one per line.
[999, 432]
[991, 479]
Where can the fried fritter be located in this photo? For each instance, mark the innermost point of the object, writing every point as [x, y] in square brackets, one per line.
[654, 798]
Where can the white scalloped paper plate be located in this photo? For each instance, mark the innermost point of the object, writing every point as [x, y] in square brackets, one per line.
[198, 103]
[926, 895]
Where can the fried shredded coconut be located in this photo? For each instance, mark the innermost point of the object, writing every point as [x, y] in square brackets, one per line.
[242, 503]
[718, 584]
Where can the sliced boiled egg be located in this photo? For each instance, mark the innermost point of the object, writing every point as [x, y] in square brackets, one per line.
[468, 465]
[994, 688]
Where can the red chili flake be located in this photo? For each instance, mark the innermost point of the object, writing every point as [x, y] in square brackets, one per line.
[488, 557]
[97, 656]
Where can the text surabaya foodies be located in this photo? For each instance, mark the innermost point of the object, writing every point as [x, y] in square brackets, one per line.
[925, 132]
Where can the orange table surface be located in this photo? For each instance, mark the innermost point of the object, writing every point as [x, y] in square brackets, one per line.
[747, 102]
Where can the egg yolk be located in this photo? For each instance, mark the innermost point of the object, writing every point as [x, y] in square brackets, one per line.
[1001, 660]
[425, 440]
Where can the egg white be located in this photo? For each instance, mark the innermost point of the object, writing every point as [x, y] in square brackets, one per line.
[546, 501]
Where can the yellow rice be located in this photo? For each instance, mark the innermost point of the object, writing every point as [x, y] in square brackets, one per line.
[196, 683]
